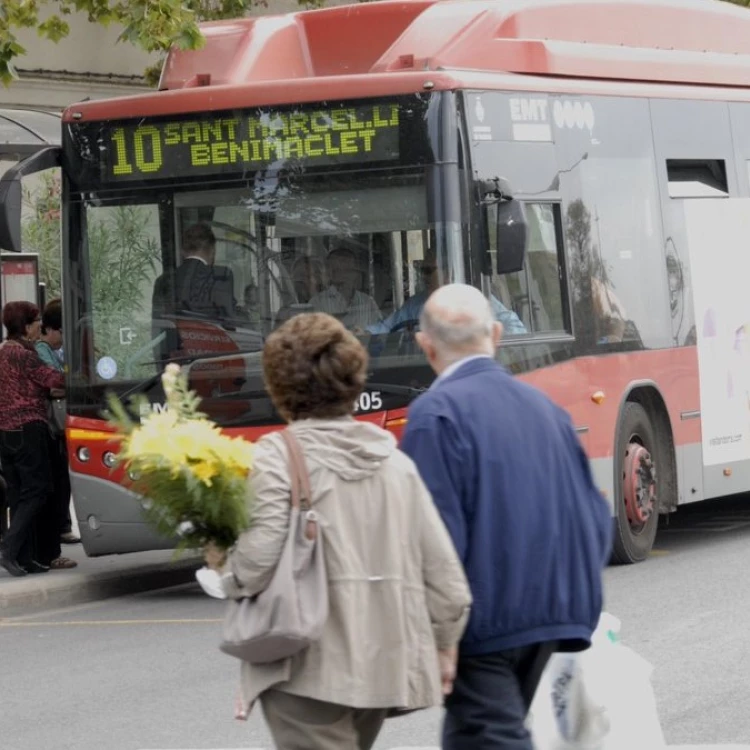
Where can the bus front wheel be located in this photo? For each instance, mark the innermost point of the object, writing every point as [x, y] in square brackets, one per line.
[636, 486]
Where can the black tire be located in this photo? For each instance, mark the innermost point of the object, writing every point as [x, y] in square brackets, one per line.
[633, 542]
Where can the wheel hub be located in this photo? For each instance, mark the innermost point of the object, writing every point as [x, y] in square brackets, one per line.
[639, 484]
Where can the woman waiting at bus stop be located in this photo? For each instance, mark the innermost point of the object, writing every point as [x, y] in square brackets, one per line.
[25, 384]
[398, 598]
[47, 347]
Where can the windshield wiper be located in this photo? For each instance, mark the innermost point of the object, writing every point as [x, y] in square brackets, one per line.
[145, 385]
[189, 358]
[396, 390]
[142, 386]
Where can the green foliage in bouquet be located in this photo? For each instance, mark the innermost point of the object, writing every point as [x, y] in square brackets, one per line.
[192, 477]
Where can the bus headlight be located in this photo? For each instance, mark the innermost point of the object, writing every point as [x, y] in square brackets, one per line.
[109, 460]
[84, 454]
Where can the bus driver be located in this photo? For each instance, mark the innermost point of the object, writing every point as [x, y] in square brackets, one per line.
[343, 298]
[407, 316]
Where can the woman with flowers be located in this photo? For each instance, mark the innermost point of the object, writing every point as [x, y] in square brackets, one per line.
[398, 599]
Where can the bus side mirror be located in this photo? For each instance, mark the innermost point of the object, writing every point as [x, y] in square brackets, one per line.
[511, 227]
[511, 231]
[11, 194]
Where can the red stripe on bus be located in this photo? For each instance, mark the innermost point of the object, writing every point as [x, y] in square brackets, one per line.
[573, 385]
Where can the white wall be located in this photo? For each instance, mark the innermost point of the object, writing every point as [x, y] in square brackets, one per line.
[87, 63]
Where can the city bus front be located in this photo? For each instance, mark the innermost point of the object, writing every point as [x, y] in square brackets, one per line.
[190, 237]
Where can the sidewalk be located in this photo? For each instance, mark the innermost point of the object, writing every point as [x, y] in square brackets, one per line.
[95, 578]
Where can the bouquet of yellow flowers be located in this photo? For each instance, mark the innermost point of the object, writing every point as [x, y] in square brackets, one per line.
[192, 477]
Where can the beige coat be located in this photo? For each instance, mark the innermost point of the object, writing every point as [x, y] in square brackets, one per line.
[397, 587]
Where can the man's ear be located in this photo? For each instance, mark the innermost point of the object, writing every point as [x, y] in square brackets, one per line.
[424, 343]
[497, 333]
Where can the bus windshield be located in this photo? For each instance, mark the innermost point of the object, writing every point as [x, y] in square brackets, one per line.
[201, 274]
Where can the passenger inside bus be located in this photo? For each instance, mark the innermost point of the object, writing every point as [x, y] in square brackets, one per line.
[308, 277]
[407, 316]
[250, 310]
[343, 297]
[197, 286]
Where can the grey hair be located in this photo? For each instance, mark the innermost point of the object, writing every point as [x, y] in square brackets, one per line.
[457, 317]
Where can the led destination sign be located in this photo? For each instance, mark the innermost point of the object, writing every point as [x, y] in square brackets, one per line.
[234, 142]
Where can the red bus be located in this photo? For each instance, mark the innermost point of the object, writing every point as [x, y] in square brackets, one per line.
[585, 164]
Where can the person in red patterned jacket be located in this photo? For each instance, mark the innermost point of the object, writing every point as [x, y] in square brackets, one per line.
[25, 384]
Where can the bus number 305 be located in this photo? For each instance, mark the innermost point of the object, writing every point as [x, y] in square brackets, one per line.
[368, 401]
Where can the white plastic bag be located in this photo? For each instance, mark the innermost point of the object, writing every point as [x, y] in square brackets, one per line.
[599, 699]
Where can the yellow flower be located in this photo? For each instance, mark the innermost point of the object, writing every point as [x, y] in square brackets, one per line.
[143, 444]
[155, 436]
[176, 444]
[205, 471]
[200, 435]
[238, 453]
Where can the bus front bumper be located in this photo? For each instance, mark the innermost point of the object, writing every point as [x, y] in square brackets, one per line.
[110, 518]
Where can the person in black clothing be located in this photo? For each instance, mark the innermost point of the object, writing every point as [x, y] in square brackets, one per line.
[197, 290]
[3, 505]
[51, 534]
[197, 286]
[25, 384]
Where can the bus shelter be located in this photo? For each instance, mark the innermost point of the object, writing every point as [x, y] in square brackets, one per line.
[23, 133]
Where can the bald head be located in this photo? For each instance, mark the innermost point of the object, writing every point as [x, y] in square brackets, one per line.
[456, 322]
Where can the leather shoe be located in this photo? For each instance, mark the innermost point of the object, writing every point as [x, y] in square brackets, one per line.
[35, 567]
[12, 567]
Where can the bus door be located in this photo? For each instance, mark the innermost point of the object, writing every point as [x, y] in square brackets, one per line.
[693, 146]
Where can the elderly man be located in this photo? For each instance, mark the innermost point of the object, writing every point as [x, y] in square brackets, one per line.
[514, 488]
[343, 298]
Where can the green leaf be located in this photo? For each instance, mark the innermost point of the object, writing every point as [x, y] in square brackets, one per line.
[8, 72]
[54, 29]
[190, 38]
[153, 73]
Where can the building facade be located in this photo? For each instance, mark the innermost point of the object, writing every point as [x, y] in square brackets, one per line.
[88, 64]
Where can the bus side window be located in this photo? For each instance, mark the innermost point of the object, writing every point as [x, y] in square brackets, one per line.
[535, 294]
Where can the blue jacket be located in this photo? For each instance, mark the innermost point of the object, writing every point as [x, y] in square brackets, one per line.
[514, 487]
[412, 309]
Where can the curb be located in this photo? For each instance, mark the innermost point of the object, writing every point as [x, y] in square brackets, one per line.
[34, 594]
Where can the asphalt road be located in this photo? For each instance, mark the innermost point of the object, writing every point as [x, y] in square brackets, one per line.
[144, 673]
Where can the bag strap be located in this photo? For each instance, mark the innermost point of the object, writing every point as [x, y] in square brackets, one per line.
[301, 492]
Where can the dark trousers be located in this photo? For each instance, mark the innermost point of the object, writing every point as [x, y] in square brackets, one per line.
[58, 453]
[491, 698]
[49, 520]
[3, 506]
[24, 454]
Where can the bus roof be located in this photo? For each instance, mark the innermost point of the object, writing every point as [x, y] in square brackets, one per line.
[395, 46]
